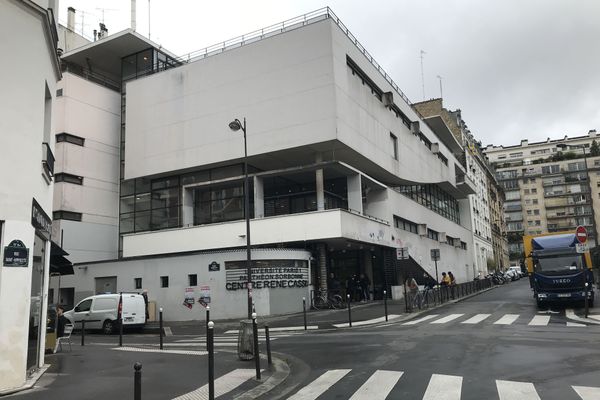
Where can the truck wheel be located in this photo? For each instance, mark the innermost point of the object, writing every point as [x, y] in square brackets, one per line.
[107, 327]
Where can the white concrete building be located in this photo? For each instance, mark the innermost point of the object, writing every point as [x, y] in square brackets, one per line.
[26, 183]
[343, 170]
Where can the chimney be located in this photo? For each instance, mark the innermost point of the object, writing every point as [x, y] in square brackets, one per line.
[71, 19]
[133, 11]
[592, 133]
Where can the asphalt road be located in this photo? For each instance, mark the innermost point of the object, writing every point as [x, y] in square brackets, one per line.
[515, 343]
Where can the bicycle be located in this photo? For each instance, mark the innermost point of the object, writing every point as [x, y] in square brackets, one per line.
[322, 300]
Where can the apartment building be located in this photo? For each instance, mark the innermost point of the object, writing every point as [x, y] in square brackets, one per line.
[28, 80]
[487, 232]
[550, 186]
[342, 170]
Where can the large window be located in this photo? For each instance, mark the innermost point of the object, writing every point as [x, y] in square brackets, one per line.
[434, 198]
[219, 203]
[405, 224]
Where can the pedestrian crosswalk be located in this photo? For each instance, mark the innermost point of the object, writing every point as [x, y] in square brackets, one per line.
[382, 384]
[495, 319]
[225, 340]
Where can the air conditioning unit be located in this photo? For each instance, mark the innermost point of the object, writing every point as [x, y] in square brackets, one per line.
[435, 148]
[422, 229]
[415, 128]
[388, 99]
[442, 237]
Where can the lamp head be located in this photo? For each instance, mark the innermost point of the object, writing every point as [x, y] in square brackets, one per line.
[235, 125]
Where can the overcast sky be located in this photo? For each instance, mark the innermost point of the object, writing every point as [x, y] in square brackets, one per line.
[516, 68]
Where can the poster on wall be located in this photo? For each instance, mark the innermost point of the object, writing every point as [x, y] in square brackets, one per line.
[204, 299]
[267, 274]
[188, 300]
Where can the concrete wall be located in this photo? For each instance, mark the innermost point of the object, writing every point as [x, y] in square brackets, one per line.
[283, 85]
[25, 122]
[92, 112]
[224, 303]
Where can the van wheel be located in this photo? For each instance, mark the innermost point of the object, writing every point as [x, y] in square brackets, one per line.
[107, 327]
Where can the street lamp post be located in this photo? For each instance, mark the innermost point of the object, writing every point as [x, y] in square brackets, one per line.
[235, 126]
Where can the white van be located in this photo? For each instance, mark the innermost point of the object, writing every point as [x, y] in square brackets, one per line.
[102, 312]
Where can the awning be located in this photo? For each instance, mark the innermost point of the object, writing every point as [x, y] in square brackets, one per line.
[59, 264]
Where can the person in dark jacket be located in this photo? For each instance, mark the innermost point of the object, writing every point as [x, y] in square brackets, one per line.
[364, 287]
[61, 321]
[145, 296]
[351, 287]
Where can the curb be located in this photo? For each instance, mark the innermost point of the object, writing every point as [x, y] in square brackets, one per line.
[281, 371]
[29, 383]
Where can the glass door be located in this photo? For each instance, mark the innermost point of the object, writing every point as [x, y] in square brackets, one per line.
[35, 308]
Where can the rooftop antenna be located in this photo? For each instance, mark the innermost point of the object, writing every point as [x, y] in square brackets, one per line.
[441, 92]
[422, 74]
[105, 9]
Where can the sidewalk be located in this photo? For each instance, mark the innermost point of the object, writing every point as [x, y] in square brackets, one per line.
[370, 313]
[100, 372]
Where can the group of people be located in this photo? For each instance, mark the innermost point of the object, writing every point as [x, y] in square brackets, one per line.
[356, 286]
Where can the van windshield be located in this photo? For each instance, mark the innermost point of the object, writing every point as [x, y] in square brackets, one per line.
[559, 264]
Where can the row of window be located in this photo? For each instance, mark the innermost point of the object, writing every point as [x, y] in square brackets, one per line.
[164, 281]
[412, 227]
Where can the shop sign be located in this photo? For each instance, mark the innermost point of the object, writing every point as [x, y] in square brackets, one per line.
[267, 274]
[39, 219]
[16, 254]
[214, 266]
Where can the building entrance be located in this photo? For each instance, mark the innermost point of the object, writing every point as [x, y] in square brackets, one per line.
[36, 304]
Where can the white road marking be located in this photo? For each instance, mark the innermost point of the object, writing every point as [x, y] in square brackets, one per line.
[425, 318]
[168, 331]
[293, 328]
[147, 350]
[443, 387]
[509, 390]
[224, 384]
[320, 385]
[539, 320]
[448, 318]
[569, 313]
[575, 324]
[507, 319]
[587, 393]
[476, 319]
[367, 322]
[378, 386]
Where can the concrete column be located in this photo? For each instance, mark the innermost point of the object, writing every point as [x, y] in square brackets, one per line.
[259, 197]
[319, 184]
[187, 207]
[322, 266]
[355, 192]
[367, 268]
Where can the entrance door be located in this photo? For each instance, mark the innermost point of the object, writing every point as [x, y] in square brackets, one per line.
[106, 284]
[67, 298]
[35, 308]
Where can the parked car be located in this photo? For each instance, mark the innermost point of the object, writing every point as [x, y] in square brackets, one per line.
[517, 271]
[102, 312]
[511, 275]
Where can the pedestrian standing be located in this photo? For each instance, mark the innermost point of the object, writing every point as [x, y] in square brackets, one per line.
[411, 289]
[351, 287]
[452, 282]
[364, 286]
[145, 296]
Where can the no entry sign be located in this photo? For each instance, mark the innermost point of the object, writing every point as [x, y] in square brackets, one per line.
[581, 234]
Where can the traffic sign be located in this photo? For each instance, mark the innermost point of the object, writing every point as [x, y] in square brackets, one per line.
[581, 234]
[435, 254]
[581, 247]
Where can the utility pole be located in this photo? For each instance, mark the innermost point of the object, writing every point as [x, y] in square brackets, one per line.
[422, 74]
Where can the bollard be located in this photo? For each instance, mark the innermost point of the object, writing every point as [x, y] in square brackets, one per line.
[253, 307]
[137, 381]
[268, 340]
[349, 312]
[207, 320]
[405, 299]
[304, 311]
[160, 324]
[256, 355]
[385, 304]
[121, 332]
[586, 300]
[83, 332]
[211, 359]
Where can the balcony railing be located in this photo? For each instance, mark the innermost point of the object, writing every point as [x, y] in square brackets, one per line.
[47, 160]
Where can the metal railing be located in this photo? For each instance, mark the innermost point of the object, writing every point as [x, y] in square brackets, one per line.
[91, 76]
[286, 26]
[427, 298]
